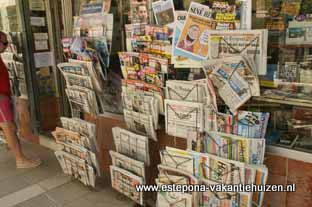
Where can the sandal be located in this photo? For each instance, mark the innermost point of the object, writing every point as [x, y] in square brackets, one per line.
[28, 164]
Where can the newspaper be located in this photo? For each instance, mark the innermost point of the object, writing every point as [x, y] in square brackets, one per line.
[230, 199]
[96, 75]
[139, 11]
[137, 101]
[218, 169]
[194, 36]
[192, 91]
[250, 151]
[76, 167]
[125, 182]
[95, 8]
[132, 145]
[82, 127]
[251, 124]
[179, 57]
[184, 119]
[252, 43]
[171, 199]
[232, 88]
[82, 99]
[164, 12]
[244, 66]
[140, 123]
[126, 163]
[73, 68]
[176, 158]
[149, 90]
[78, 80]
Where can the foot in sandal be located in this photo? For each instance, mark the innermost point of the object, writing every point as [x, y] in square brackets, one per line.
[27, 163]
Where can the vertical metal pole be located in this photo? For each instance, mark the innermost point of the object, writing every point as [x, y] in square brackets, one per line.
[29, 65]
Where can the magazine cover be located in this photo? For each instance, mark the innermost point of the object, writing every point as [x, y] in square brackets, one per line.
[179, 57]
[194, 36]
[164, 12]
[139, 11]
[94, 8]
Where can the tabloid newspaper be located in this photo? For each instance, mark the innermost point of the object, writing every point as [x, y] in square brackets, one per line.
[194, 36]
[164, 12]
[179, 57]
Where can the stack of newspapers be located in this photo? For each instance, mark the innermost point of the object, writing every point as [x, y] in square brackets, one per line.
[79, 147]
[129, 162]
[87, 54]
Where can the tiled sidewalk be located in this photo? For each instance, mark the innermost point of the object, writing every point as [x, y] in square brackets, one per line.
[48, 186]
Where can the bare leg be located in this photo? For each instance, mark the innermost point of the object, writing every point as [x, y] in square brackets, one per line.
[9, 131]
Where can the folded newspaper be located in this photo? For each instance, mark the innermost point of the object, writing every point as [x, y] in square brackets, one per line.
[251, 43]
[184, 119]
[132, 145]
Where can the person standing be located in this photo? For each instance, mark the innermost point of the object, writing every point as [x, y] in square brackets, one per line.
[7, 124]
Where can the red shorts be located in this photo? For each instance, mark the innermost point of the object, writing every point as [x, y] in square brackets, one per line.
[6, 113]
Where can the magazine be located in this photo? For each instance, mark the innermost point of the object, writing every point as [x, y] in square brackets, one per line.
[179, 57]
[128, 164]
[164, 12]
[252, 43]
[251, 124]
[132, 145]
[125, 182]
[184, 119]
[194, 36]
[139, 11]
[95, 8]
[140, 123]
[232, 87]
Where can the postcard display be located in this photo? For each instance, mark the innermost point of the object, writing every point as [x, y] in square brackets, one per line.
[87, 53]
[225, 144]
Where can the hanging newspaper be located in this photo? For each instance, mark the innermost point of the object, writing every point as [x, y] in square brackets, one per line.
[252, 43]
[140, 123]
[82, 99]
[232, 88]
[138, 102]
[95, 8]
[82, 127]
[242, 65]
[125, 182]
[73, 68]
[184, 119]
[96, 75]
[131, 145]
[126, 163]
[251, 124]
[139, 11]
[76, 167]
[164, 12]
[250, 151]
[78, 80]
[194, 36]
[229, 199]
[179, 57]
[131, 86]
[192, 91]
